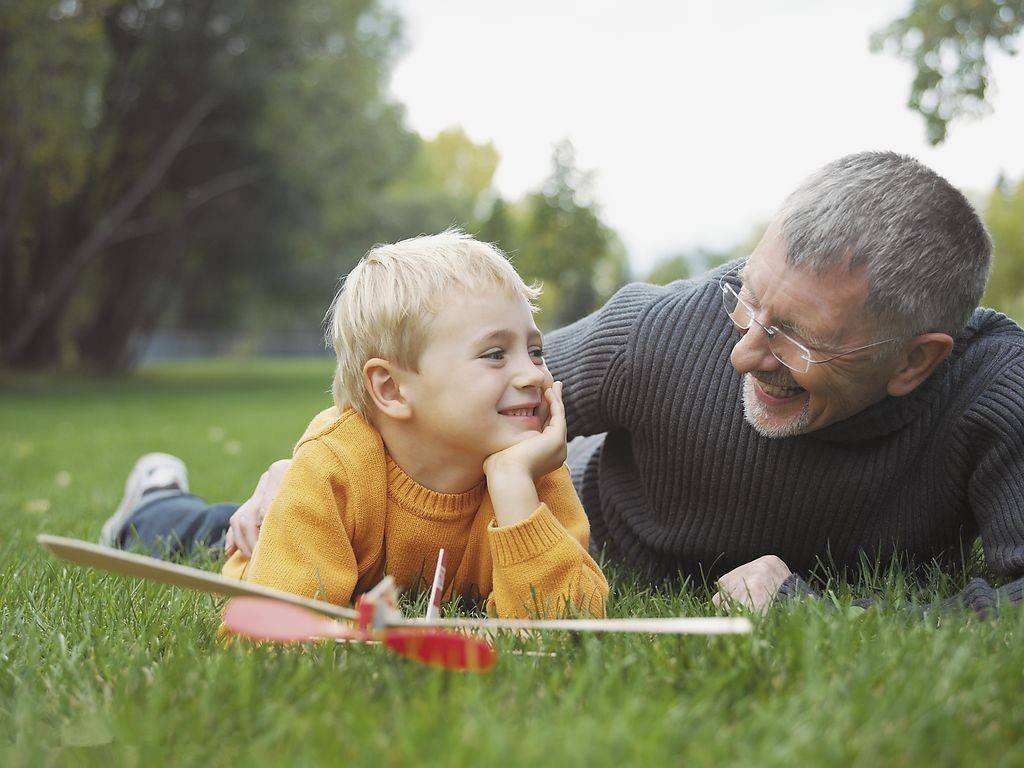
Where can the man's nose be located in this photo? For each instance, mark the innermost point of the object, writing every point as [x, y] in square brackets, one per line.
[752, 353]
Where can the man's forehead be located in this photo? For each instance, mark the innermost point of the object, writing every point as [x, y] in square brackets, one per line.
[826, 303]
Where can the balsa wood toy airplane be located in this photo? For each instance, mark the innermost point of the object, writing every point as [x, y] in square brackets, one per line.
[272, 615]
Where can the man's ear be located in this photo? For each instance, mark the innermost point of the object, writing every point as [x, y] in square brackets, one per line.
[381, 382]
[918, 361]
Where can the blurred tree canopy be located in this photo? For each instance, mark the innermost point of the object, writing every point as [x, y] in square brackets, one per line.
[1004, 216]
[949, 42]
[153, 149]
[680, 266]
[556, 235]
[220, 163]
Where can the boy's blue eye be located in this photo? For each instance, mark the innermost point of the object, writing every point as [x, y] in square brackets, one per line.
[494, 354]
[537, 352]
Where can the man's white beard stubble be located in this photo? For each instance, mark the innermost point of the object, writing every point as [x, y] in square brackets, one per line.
[759, 417]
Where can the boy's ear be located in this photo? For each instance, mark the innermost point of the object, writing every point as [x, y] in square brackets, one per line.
[384, 390]
[922, 356]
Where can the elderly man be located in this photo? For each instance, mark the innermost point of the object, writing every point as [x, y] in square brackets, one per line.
[834, 397]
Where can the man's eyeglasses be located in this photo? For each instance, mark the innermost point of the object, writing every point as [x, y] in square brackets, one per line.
[787, 350]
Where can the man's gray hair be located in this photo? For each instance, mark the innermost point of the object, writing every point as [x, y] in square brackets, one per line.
[926, 251]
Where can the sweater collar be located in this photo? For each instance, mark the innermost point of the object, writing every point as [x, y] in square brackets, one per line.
[428, 504]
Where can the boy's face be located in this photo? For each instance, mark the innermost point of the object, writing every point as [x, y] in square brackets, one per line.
[481, 377]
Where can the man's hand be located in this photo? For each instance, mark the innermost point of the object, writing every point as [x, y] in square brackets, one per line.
[539, 452]
[245, 523]
[753, 585]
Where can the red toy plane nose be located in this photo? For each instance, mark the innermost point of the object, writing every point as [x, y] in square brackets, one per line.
[449, 650]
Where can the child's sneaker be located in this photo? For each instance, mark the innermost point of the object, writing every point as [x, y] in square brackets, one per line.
[152, 472]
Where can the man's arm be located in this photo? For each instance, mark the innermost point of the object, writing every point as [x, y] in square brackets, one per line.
[760, 583]
[246, 521]
[991, 433]
[591, 357]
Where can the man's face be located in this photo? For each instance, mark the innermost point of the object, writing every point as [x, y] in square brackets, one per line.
[481, 380]
[824, 312]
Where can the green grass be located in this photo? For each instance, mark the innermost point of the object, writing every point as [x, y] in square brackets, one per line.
[99, 670]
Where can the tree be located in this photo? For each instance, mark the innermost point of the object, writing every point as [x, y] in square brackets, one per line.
[159, 153]
[949, 42]
[680, 266]
[1004, 217]
[562, 241]
[448, 181]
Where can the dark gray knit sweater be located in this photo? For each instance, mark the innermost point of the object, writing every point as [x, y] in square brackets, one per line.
[682, 484]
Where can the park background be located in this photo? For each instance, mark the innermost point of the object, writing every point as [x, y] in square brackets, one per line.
[190, 179]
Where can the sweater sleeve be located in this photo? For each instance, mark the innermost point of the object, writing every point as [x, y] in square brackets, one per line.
[304, 547]
[993, 436]
[541, 564]
[589, 358]
[978, 596]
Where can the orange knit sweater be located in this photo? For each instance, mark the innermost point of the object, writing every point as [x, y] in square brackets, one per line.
[346, 515]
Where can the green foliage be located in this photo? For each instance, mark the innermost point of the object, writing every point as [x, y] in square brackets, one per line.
[220, 164]
[185, 156]
[448, 181]
[1004, 217]
[100, 670]
[50, 127]
[556, 236]
[680, 266]
[949, 42]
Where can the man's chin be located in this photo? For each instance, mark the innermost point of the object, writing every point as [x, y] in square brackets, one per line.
[768, 424]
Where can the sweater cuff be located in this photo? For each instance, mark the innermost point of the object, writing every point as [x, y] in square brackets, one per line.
[519, 542]
[980, 597]
[794, 588]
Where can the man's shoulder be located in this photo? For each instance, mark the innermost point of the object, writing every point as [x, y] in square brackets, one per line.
[987, 368]
[657, 303]
[989, 343]
[989, 327]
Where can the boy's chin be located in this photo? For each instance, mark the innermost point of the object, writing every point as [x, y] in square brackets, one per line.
[514, 439]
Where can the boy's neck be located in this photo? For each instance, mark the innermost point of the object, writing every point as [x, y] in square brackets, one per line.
[435, 469]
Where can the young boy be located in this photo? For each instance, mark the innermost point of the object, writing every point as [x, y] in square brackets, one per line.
[447, 431]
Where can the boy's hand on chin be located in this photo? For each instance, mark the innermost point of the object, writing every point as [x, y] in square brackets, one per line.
[537, 453]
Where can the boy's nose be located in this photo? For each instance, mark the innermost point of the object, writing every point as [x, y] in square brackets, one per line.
[529, 374]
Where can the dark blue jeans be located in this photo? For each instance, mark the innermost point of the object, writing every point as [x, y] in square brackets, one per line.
[173, 523]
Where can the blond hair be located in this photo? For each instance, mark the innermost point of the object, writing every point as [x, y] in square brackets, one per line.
[386, 302]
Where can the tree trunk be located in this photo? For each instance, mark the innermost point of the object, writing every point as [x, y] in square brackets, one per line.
[47, 302]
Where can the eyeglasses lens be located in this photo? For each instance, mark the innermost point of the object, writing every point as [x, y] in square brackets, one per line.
[786, 350]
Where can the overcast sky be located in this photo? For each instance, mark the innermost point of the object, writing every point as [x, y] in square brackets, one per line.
[698, 117]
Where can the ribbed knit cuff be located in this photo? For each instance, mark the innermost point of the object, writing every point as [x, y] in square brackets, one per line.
[794, 588]
[980, 597]
[519, 542]
[1013, 592]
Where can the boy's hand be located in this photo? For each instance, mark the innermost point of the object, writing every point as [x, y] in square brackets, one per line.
[245, 523]
[538, 453]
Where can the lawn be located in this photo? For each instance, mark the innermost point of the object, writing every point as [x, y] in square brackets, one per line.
[99, 670]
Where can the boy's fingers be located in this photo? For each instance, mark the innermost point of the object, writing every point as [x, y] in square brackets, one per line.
[557, 406]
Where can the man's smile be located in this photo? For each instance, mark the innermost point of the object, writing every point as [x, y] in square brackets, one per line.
[778, 391]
